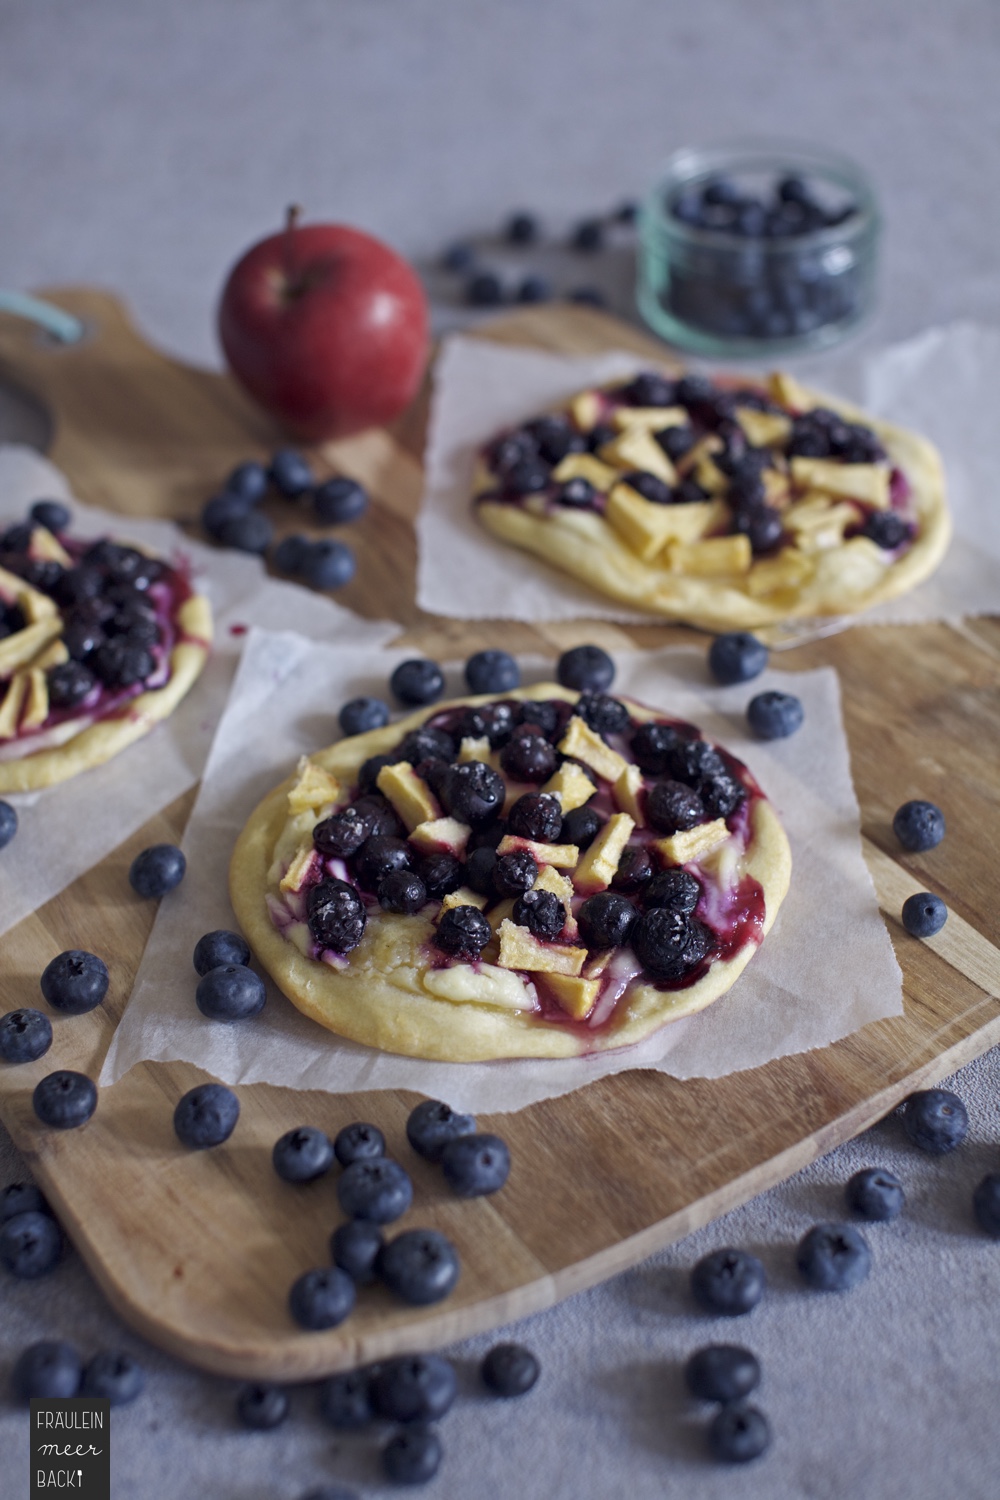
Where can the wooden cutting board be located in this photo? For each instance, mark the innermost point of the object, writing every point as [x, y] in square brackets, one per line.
[198, 1250]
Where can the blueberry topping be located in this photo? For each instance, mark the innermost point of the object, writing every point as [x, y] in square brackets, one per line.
[51, 514]
[635, 868]
[22, 1198]
[673, 890]
[494, 720]
[339, 500]
[246, 531]
[230, 992]
[586, 668]
[327, 564]
[417, 681]
[924, 914]
[536, 816]
[774, 716]
[420, 1266]
[650, 487]
[528, 477]
[290, 474]
[736, 656]
[671, 806]
[514, 873]
[935, 1120]
[588, 235]
[509, 1370]
[875, 1194]
[599, 434]
[119, 664]
[49, 1370]
[474, 1165]
[986, 1204]
[156, 871]
[722, 1372]
[359, 1142]
[17, 538]
[529, 757]
[206, 1116]
[606, 920]
[730, 1282]
[64, 1100]
[355, 1247]
[415, 1388]
[374, 1188]
[762, 524]
[343, 833]
[322, 1298]
[668, 944]
[220, 947]
[25, 1035]
[484, 289]
[69, 683]
[721, 795]
[473, 792]
[30, 1245]
[543, 716]
[886, 530]
[81, 636]
[412, 1456]
[345, 1399]
[479, 869]
[432, 1124]
[581, 827]
[833, 1257]
[369, 769]
[492, 672]
[578, 493]
[651, 746]
[337, 916]
[650, 388]
[919, 826]
[541, 912]
[261, 1406]
[302, 1154]
[401, 892]
[737, 1434]
[463, 931]
[602, 714]
[441, 874]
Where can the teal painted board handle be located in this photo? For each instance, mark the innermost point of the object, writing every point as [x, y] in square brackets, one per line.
[61, 325]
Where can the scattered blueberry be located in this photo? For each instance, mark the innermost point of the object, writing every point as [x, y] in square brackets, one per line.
[588, 235]
[220, 947]
[722, 1372]
[113, 1376]
[833, 1257]
[22, 1198]
[627, 212]
[509, 1369]
[231, 992]
[484, 289]
[415, 1388]
[432, 1125]
[417, 681]
[290, 474]
[377, 1189]
[75, 982]
[30, 1245]
[340, 500]
[918, 826]
[419, 1265]
[924, 914]
[50, 1370]
[935, 1120]
[875, 1194]
[986, 1204]
[8, 824]
[358, 1142]
[261, 1406]
[327, 564]
[413, 1456]
[534, 288]
[736, 656]
[774, 716]
[51, 514]
[65, 1100]
[458, 257]
[587, 296]
[249, 480]
[728, 1281]
[355, 1248]
[521, 229]
[248, 531]
[475, 1165]
[206, 1116]
[492, 672]
[345, 1400]
[588, 669]
[737, 1434]
[291, 552]
[24, 1036]
[359, 715]
[156, 871]
[220, 510]
[302, 1154]
[322, 1298]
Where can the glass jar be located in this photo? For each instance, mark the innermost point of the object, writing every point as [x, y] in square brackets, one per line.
[757, 249]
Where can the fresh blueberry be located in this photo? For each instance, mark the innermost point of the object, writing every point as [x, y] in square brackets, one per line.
[290, 553]
[156, 871]
[24, 1036]
[919, 826]
[588, 235]
[51, 514]
[419, 1265]
[722, 1372]
[355, 1248]
[75, 982]
[463, 931]
[737, 1434]
[340, 500]
[359, 715]
[581, 827]
[627, 212]
[231, 992]
[587, 296]
[290, 474]
[22, 1198]
[534, 288]
[774, 716]
[328, 565]
[509, 1369]
[302, 1154]
[8, 824]
[322, 1298]
[935, 1120]
[588, 669]
[261, 1406]
[206, 1116]
[358, 1142]
[220, 947]
[606, 920]
[833, 1257]
[250, 531]
[728, 1281]
[417, 681]
[484, 289]
[924, 914]
[875, 1194]
[736, 656]
[65, 1100]
[345, 1400]
[986, 1204]
[413, 1456]
[475, 1165]
[432, 1125]
[521, 229]
[249, 480]
[415, 1388]
[221, 510]
[492, 672]
[529, 757]
[113, 1376]
[375, 1188]
[49, 1370]
[458, 257]
[30, 1245]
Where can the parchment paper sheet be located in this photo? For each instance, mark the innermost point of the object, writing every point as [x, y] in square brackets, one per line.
[67, 829]
[826, 968]
[946, 383]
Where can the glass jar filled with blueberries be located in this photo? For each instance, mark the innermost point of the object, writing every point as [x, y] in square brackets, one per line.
[757, 248]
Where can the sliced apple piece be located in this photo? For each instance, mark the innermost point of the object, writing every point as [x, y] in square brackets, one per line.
[520, 949]
[13, 705]
[646, 527]
[571, 785]
[788, 570]
[36, 701]
[52, 656]
[650, 418]
[711, 478]
[464, 896]
[563, 856]
[866, 482]
[582, 743]
[314, 787]
[44, 547]
[819, 524]
[441, 835]
[23, 646]
[502, 912]
[690, 844]
[764, 429]
[585, 466]
[714, 557]
[305, 864]
[787, 392]
[586, 409]
[473, 748]
[637, 448]
[596, 869]
[574, 994]
[409, 794]
[628, 791]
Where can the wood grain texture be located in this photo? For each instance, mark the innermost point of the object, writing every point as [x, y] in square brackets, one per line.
[197, 1250]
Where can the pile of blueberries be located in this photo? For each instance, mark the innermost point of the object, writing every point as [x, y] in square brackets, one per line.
[755, 269]
[232, 518]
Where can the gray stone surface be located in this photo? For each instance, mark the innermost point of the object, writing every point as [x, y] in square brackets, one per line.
[144, 146]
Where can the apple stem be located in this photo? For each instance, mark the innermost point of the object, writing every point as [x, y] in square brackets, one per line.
[292, 216]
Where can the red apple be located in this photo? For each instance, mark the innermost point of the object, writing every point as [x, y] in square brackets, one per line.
[326, 327]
